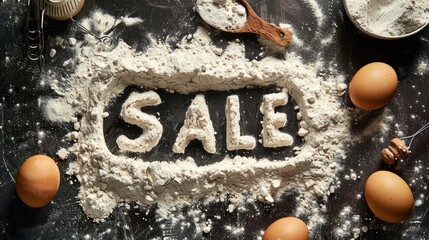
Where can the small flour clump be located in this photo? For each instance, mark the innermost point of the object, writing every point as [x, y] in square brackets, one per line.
[195, 65]
[131, 21]
[222, 14]
[389, 18]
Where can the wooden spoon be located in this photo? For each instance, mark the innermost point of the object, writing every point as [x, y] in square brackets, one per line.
[255, 24]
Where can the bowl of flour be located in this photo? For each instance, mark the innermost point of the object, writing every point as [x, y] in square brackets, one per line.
[388, 19]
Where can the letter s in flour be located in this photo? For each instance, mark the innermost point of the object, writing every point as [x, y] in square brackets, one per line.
[152, 128]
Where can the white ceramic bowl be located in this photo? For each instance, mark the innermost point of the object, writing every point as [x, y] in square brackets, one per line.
[378, 35]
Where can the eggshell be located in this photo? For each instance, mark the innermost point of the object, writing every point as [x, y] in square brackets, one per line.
[389, 197]
[37, 181]
[288, 228]
[373, 86]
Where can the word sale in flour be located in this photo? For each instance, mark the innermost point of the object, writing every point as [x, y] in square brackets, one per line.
[197, 124]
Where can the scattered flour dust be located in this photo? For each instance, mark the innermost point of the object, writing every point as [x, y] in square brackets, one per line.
[100, 74]
[349, 224]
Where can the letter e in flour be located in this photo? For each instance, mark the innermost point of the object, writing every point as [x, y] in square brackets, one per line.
[272, 121]
[197, 125]
[152, 128]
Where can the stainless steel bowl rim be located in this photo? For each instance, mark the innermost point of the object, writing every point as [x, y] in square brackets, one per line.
[378, 35]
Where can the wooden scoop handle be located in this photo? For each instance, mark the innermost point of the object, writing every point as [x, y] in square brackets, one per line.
[258, 26]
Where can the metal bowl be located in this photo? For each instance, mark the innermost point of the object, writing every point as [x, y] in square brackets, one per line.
[375, 35]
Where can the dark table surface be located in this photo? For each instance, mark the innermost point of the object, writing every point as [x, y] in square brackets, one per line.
[21, 120]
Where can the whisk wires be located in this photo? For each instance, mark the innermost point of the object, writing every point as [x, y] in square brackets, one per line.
[35, 35]
[106, 40]
[426, 126]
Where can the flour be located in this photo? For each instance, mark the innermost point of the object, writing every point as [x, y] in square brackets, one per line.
[234, 140]
[62, 153]
[379, 123]
[196, 65]
[422, 66]
[198, 125]
[131, 21]
[272, 136]
[317, 11]
[222, 14]
[58, 110]
[348, 224]
[152, 128]
[389, 17]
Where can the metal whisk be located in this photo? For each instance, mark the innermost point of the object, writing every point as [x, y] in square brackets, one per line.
[57, 10]
[398, 150]
[35, 36]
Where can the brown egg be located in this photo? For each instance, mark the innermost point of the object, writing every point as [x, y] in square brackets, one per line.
[373, 86]
[389, 197]
[288, 228]
[37, 181]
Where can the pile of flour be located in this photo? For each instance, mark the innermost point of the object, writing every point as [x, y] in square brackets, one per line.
[389, 17]
[195, 64]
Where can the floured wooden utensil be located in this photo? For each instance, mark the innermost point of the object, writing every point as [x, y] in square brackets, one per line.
[252, 24]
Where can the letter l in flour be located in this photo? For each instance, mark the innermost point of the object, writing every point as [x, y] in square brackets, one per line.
[234, 140]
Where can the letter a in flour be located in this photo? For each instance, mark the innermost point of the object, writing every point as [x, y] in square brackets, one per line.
[152, 128]
[272, 136]
[233, 139]
[197, 125]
